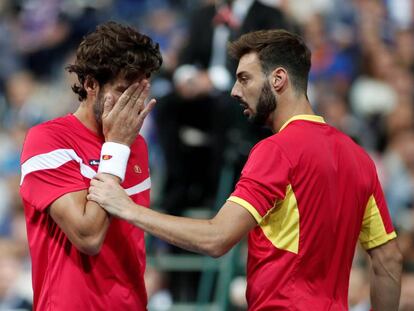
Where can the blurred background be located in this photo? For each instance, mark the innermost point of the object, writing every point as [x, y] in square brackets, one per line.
[361, 82]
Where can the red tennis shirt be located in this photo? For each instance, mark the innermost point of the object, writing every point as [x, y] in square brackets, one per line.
[313, 193]
[61, 156]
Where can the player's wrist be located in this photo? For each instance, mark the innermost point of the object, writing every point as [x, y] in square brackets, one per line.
[131, 212]
[114, 159]
[118, 140]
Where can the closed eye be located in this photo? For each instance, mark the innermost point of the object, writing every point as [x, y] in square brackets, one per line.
[242, 77]
[243, 80]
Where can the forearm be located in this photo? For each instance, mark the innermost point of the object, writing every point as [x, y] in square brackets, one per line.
[386, 276]
[385, 292]
[196, 235]
[89, 229]
[93, 222]
[213, 237]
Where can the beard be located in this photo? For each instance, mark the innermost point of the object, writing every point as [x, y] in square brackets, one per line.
[98, 109]
[266, 104]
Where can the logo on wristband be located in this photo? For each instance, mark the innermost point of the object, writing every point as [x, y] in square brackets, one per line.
[106, 157]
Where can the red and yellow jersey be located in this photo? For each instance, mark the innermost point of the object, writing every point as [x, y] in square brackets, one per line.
[313, 193]
[59, 157]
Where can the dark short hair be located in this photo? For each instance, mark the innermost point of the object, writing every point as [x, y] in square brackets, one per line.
[277, 48]
[114, 49]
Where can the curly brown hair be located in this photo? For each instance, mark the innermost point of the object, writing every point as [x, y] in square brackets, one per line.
[114, 49]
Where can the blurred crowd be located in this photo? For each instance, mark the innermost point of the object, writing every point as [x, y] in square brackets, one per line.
[361, 82]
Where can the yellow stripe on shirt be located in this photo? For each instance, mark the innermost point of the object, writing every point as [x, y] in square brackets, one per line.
[281, 223]
[373, 231]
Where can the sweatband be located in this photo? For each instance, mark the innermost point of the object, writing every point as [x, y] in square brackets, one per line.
[114, 159]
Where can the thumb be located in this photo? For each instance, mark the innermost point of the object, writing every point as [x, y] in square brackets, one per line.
[107, 105]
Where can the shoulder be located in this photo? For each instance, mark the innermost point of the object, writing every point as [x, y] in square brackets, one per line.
[269, 150]
[52, 128]
[355, 153]
[269, 145]
[358, 150]
[46, 137]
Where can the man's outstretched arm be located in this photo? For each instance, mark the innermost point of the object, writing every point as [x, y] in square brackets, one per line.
[213, 237]
[386, 276]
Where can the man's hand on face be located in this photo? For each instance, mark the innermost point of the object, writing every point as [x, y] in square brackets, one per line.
[107, 192]
[122, 121]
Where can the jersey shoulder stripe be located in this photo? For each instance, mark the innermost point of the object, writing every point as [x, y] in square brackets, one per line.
[52, 160]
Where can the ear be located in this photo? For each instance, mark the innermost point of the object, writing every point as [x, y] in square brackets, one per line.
[91, 86]
[279, 79]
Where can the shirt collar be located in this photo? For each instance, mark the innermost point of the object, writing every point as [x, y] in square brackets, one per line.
[305, 117]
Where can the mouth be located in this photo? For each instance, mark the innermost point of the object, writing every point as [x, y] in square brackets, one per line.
[246, 109]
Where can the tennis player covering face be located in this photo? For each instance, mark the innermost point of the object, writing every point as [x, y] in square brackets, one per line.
[306, 195]
[81, 258]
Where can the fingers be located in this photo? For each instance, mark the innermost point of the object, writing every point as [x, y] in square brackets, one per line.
[132, 100]
[132, 92]
[108, 105]
[138, 97]
[139, 104]
[147, 109]
[92, 197]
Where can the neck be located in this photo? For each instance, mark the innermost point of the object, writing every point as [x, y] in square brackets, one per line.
[288, 106]
[86, 116]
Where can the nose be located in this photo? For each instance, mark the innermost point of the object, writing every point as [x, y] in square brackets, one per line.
[235, 91]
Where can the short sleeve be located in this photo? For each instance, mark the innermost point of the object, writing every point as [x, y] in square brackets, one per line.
[377, 228]
[48, 170]
[264, 179]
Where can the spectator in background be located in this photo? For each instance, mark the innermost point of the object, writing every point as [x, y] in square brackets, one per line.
[159, 298]
[333, 66]
[407, 292]
[337, 113]
[358, 295]
[42, 34]
[13, 279]
[194, 121]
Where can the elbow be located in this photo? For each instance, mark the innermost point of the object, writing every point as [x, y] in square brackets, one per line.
[90, 246]
[217, 249]
[217, 253]
[90, 250]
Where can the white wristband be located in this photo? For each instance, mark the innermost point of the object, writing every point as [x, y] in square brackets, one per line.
[114, 159]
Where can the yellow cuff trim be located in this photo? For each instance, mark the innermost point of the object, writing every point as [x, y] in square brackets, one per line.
[247, 206]
[306, 117]
[379, 241]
